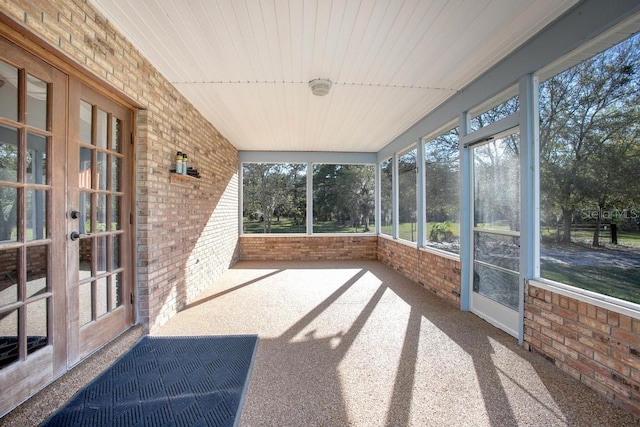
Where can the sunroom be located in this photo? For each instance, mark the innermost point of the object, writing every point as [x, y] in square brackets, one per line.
[481, 155]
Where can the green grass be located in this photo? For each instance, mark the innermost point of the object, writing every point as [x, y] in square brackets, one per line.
[287, 225]
[623, 283]
[629, 238]
[406, 230]
[625, 238]
[334, 227]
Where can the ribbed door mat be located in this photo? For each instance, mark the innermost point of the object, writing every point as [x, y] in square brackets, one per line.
[167, 381]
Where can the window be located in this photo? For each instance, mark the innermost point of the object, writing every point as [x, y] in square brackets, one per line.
[497, 113]
[343, 198]
[589, 163]
[407, 184]
[442, 192]
[386, 197]
[274, 198]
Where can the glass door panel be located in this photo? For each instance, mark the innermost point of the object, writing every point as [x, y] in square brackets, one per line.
[496, 230]
[97, 244]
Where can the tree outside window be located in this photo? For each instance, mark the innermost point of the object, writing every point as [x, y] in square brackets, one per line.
[274, 198]
[590, 161]
[442, 192]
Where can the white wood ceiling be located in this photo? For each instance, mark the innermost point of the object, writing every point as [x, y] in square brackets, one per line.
[246, 64]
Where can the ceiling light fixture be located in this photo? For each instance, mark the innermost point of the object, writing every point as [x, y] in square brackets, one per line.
[320, 87]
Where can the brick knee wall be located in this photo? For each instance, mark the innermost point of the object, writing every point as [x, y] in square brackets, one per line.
[597, 346]
[437, 273]
[307, 248]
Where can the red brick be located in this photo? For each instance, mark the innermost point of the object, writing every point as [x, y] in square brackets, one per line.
[616, 387]
[595, 345]
[565, 313]
[599, 387]
[625, 323]
[567, 333]
[612, 363]
[552, 317]
[573, 305]
[579, 347]
[552, 334]
[553, 352]
[601, 315]
[628, 337]
[567, 351]
[566, 367]
[595, 324]
[613, 318]
[579, 328]
[582, 308]
[628, 360]
[584, 369]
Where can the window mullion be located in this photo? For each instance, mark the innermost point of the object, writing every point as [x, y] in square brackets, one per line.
[421, 184]
[466, 211]
[309, 198]
[395, 196]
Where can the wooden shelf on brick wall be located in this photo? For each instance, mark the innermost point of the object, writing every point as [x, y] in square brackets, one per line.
[177, 178]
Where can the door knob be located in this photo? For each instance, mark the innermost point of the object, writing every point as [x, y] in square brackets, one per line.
[75, 235]
[75, 214]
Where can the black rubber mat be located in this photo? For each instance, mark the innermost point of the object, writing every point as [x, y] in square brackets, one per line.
[167, 381]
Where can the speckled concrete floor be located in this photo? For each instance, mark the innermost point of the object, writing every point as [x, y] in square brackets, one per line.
[358, 344]
[346, 343]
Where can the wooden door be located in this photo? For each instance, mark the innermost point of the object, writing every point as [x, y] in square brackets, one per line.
[33, 312]
[65, 222]
[98, 225]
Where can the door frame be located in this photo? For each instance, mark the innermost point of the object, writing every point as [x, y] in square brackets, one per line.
[499, 315]
[527, 120]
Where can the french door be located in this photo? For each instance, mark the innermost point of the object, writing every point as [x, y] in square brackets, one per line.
[98, 220]
[496, 231]
[32, 229]
[65, 238]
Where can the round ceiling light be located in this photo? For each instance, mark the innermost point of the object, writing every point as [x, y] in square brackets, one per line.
[320, 87]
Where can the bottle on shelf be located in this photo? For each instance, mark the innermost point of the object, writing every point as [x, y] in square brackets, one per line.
[179, 162]
[185, 163]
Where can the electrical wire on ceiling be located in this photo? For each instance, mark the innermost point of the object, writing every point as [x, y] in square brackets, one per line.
[381, 85]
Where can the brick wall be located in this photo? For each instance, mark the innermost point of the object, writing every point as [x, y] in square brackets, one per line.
[307, 248]
[438, 273]
[186, 229]
[597, 346]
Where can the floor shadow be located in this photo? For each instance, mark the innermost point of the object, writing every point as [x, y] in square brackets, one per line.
[313, 314]
[373, 348]
[230, 290]
[299, 377]
[400, 406]
[468, 332]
